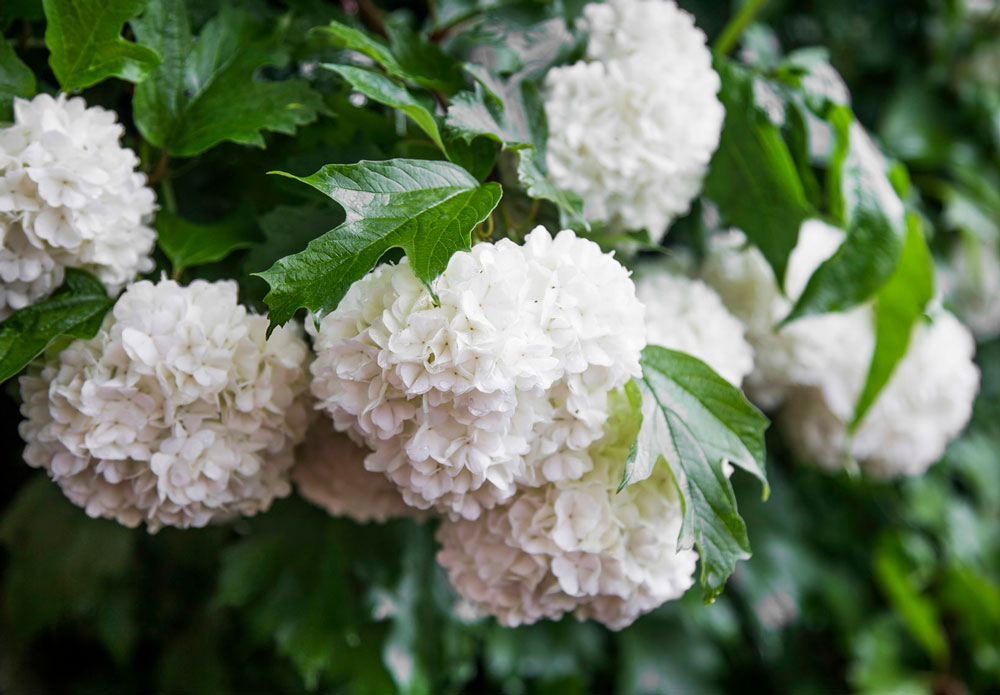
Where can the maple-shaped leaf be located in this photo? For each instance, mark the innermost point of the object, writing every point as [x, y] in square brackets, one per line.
[426, 208]
[695, 422]
[86, 45]
[206, 91]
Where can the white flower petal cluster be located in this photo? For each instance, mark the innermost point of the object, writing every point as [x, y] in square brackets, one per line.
[804, 351]
[814, 369]
[927, 402]
[503, 381]
[633, 127]
[575, 546]
[330, 472]
[686, 314]
[69, 196]
[177, 413]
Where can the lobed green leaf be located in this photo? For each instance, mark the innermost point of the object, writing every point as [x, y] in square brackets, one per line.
[426, 208]
[206, 92]
[694, 421]
[86, 46]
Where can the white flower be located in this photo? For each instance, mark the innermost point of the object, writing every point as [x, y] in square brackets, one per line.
[69, 196]
[633, 128]
[453, 398]
[804, 351]
[330, 472]
[687, 315]
[575, 546]
[814, 369]
[926, 403]
[178, 412]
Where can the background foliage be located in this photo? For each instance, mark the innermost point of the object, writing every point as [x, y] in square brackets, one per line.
[852, 586]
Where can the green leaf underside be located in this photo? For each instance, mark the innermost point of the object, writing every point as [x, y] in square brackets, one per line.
[205, 92]
[426, 208]
[693, 421]
[753, 178]
[871, 251]
[898, 306]
[513, 115]
[76, 309]
[410, 58]
[16, 79]
[377, 86]
[189, 244]
[84, 38]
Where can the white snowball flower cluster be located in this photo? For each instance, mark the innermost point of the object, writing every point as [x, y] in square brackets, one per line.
[633, 127]
[330, 472]
[69, 196]
[686, 314]
[805, 350]
[927, 402]
[575, 546]
[814, 369]
[178, 412]
[503, 381]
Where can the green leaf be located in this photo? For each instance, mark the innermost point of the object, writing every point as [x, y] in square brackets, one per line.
[206, 91]
[695, 421]
[76, 309]
[84, 37]
[753, 178]
[62, 565]
[863, 201]
[411, 57]
[377, 86]
[426, 208]
[16, 79]
[188, 244]
[513, 115]
[898, 306]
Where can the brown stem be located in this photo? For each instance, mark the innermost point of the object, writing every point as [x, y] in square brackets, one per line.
[372, 18]
[160, 170]
[26, 35]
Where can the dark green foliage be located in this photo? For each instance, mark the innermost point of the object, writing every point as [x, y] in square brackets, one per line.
[853, 586]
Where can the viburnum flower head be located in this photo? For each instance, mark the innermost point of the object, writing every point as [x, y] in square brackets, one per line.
[633, 127]
[576, 547]
[179, 412]
[69, 196]
[330, 472]
[814, 368]
[502, 381]
[687, 315]
[802, 352]
[927, 402]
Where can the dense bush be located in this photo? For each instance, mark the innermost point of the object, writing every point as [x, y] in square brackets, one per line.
[344, 194]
